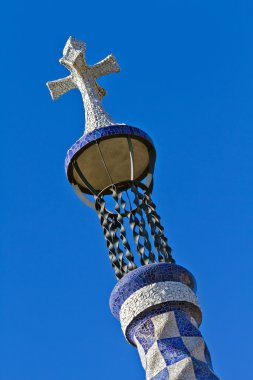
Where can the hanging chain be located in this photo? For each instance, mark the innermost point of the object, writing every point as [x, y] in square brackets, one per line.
[157, 231]
[139, 230]
[119, 201]
[109, 229]
[141, 212]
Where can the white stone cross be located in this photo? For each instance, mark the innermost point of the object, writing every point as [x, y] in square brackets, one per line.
[84, 78]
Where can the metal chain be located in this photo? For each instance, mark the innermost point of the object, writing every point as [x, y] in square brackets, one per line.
[116, 241]
[140, 225]
[129, 255]
[157, 231]
[115, 233]
[110, 237]
[156, 237]
[117, 196]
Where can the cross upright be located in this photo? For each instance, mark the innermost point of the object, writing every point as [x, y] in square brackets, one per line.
[84, 78]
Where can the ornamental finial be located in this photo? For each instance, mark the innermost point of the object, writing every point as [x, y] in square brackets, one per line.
[110, 167]
[84, 78]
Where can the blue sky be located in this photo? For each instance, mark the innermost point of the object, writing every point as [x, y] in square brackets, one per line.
[187, 79]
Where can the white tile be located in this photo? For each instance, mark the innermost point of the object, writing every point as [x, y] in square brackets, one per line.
[155, 361]
[182, 370]
[165, 326]
[141, 353]
[196, 346]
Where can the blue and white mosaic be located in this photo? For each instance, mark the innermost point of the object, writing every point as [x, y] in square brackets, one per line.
[147, 275]
[154, 294]
[171, 347]
[160, 315]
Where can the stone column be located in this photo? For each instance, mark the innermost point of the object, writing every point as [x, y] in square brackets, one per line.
[160, 315]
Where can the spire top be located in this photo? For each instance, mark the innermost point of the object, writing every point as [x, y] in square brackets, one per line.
[83, 77]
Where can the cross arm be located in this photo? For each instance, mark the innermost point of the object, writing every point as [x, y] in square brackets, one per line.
[100, 90]
[106, 66]
[60, 86]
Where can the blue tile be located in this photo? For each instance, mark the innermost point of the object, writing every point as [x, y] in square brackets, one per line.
[173, 350]
[202, 371]
[208, 357]
[163, 375]
[147, 275]
[145, 335]
[155, 310]
[185, 327]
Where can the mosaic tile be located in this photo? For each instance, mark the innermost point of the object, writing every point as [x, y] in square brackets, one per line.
[145, 335]
[172, 349]
[83, 77]
[189, 309]
[165, 325]
[161, 318]
[154, 294]
[147, 275]
[174, 357]
[162, 375]
[208, 357]
[155, 361]
[182, 370]
[185, 326]
[196, 346]
[142, 353]
[202, 372]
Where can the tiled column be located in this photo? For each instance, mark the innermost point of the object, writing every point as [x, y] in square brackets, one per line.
[159, 314]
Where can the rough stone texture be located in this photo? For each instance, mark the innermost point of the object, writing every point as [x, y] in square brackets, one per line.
[84, 78]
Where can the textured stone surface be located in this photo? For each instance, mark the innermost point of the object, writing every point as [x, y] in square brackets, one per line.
[84, 78]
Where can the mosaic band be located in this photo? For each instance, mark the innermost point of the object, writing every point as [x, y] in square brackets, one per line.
[154, 294]
[160, 315]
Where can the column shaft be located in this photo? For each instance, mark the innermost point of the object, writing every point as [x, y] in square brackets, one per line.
[159, 314]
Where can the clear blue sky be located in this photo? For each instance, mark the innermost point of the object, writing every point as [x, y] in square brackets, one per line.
[187, 79]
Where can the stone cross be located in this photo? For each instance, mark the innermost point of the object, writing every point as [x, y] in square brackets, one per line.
[84, 78]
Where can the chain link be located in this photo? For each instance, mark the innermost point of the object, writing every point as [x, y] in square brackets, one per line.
[141, 213]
